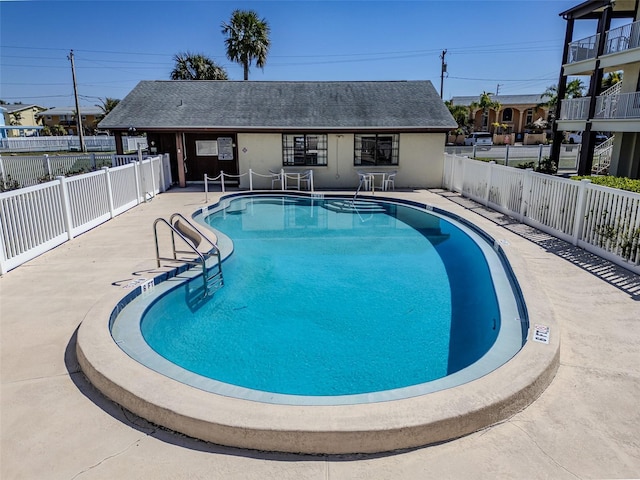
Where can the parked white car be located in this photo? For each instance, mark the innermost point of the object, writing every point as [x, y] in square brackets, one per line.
[576, 137]
[482, 140]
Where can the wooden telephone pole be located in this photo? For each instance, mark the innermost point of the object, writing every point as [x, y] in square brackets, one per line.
[443, 70]
[78, 114]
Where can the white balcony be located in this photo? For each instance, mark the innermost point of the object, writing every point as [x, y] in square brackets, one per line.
[585, 49]
[622, 38]
[574, 108]
[621, 106]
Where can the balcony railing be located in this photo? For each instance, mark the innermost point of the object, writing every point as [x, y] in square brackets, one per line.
[624, 105]
[622, 38]
[584, 49]
[574, 108]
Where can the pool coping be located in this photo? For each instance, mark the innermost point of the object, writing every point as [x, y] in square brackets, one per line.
[321, 429]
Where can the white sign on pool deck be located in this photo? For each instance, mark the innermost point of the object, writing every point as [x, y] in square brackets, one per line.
[541, 333]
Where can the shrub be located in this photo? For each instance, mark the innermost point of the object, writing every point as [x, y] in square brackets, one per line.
[8, 184]
[621, 183]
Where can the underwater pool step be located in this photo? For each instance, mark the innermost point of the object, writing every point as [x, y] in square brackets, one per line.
[349, 206]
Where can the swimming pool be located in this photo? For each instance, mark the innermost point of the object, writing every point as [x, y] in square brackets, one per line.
[486, 391]
[327, 301]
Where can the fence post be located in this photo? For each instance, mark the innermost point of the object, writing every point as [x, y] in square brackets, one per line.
[222, 180]
[153, 179]
[540, 154]
[250, 180]
[114, 162]
[107, 178]
[47, 165]
[136, 171]
[2, 173]
[489, 175]
[92, 157]
[66, 206]
[311, 180]
[162, 181]
[581, 206]
[506, 156]
[526, 193]
[452, 164]
[3, 257]
[206, 189]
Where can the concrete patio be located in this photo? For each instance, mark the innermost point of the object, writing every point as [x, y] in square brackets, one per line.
[56, 425]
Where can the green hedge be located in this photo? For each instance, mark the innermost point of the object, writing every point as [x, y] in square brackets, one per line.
[621, 183]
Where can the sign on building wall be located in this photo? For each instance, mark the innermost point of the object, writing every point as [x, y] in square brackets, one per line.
[225, 148]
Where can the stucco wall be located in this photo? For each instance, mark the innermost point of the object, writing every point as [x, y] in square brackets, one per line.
[420, 161]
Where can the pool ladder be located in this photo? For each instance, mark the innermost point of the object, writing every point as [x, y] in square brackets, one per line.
[191, 236]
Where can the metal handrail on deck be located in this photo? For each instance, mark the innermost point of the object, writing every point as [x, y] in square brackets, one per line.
[192, 236]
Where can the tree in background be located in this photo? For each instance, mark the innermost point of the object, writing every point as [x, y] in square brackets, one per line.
[611, 79]
[247, 39]
[485, 103]
[55, 130]
[15, 118]
[196, 66]
[460, 113]
[575, 89]
[107, 105]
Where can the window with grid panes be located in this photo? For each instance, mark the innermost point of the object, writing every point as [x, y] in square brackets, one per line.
[304, 149]
[376, 149]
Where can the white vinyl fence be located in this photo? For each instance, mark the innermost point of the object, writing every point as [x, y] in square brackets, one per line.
[515, 155]
[38, 218]
[604, 221]
[27, 171]
[69, 143]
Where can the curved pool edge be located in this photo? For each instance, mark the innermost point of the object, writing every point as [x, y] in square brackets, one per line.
[336, 429]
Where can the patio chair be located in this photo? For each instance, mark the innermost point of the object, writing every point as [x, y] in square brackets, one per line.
[275, 178]
[365, 179]
[305, 179]
[390, 181]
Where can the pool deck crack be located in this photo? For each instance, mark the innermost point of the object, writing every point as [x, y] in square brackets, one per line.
[109, 457]
[117, 454]
[512, 422]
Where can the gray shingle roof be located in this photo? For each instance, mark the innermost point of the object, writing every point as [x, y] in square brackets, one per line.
[84, 110]
[20, 107]
[250, 105]
[505, 100]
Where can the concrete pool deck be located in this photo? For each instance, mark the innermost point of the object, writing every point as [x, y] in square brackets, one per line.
[54, 424]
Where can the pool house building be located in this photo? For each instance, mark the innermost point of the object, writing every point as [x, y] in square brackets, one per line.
[335, 129]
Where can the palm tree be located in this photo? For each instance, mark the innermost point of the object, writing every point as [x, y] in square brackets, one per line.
[108, 104]
[247, 39]
[611, 79]
[485, 103]
[15, 119]
[575, 89]
[458, 112]
[196, 66]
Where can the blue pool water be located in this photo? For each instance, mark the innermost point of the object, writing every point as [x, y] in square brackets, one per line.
[324, 300]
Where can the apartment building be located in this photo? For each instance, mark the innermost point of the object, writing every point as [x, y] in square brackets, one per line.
[20, 120]
[613, 47]
[66, 116]
[516, 114]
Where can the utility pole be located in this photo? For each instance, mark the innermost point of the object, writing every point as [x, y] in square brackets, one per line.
[75, 92]
[498, 88]
[442, 72]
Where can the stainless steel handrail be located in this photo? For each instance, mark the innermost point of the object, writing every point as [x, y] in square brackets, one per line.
[193, 244]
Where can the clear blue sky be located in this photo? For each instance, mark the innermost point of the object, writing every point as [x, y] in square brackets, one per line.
[514, 43]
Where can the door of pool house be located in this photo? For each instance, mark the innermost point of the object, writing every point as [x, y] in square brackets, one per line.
[210, 153]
